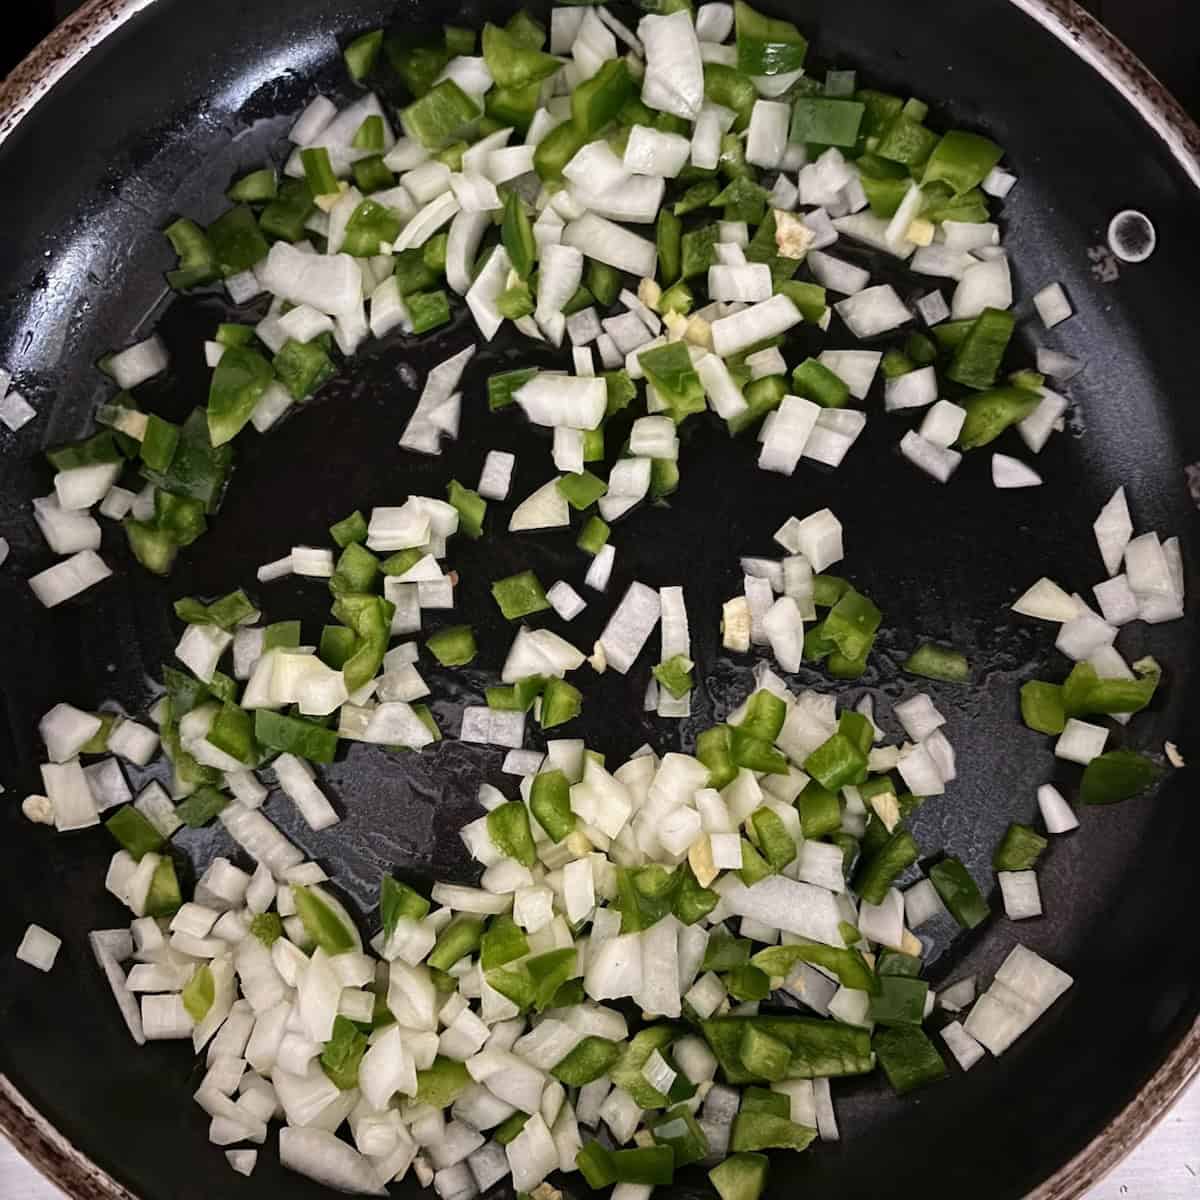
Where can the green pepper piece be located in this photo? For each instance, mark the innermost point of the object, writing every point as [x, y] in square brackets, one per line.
[815, 381]
[343, 1053]
[201, 807]
[899, 1001]
[762, 1131]
[441, 1084]
[588, 1060]
[593, 536]
[164, 898]
[668, 234]
[508, 1129]
[990, 413]
[595, 1165]
[321, 922]
[440, 115]
[604, 282]
[134, 833]
[837, 762]
[516, 233]
[825, 121]
[1117, 775]
[979, 354]
[774, 841]
[295, 735]
[519, 595]
[740, 1176]
[199, 993]
[724, 951]
[959, 893]
[756, 754]
[397, 900]
[238, 381]
[714, 748]
[461, 937]
[1019, 849]
[503, 942]
[876, 875]
[1042, 706]
[581, 490]
[1084, 692]
[453, 646]
[906, 141]
[286, 215]
[626, 1072]
[779, 963]
[508, 827]
[557, 149]
[561, 702]
[361, 54]
[669, 369]
[909, 1059]
[766, 46]
[511, 63]
[267, 927]
[762, 396]
[550, 803]
[197, 259]
[962, 160]
[596, 101]
[699, 195]
[675, 674]
[698, 254]
[938, 662]
[237, 242]
[820, 810]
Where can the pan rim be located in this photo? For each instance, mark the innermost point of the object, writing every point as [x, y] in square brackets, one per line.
[54, 1155]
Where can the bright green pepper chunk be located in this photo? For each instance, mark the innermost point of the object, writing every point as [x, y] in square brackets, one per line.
[595, 1165]
[581, 490]
[557, 149]
[675, 674]
[766, 46]
[361, 54]
[440, 1085]
[519, 595]
[508, 827]
[503, 942]
[1042, 706]
[906, 141]
[470, 506]
[899, 1001]
[427, 310]
[286, 215]
[678, 1130]
[199, 993]
[550, 803]
[453, 646]
[322, 923]
[459, 938]
[740, 1176]
[516, 234]
[1084, 692]
[588, 1060]
[774, 841]
[596, 101]
[669, 368]
[765, 1057]
[164, 898]
[238, 381]
[714, 748]
[1019, 849]
[762, 1131]
[938, 662]
[691, 901]
[816, 382]
[237, 241]
[511, 63]
[668, 235]
[594, 535]
[561, 702]
[343, 1053]
[960, 893]
[962, 160]
[756, 754]
[820, 810]
[134, 833]
[765, 715]
[780, 962]
[878, 872]
[440, 115]
[990, 413]
[197, 259]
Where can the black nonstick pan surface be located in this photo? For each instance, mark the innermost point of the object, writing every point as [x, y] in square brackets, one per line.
[154, 117]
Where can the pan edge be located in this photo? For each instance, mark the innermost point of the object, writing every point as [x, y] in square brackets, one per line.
[53, 1154]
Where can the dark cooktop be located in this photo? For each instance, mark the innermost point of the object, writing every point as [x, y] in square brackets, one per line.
[1164, 33]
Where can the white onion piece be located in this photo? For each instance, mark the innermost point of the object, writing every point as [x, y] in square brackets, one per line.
[943, 423]
[836, 274]
[545, 508]
[609, 243]
[1013, 473]
[913, 389]
[1057, 814]
[486, 290]
[984, 285]
[1080, 742]
[734, 333]
[563, 400]
[1046, 601]
[937, 461]
[873, 311]
[327, 1159]
[652, 152]
[1035, 429]
[1052, 305]
[855, 368]
[767, 136]
[674, 78]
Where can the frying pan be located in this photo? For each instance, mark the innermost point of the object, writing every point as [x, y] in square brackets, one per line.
[141, 110]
